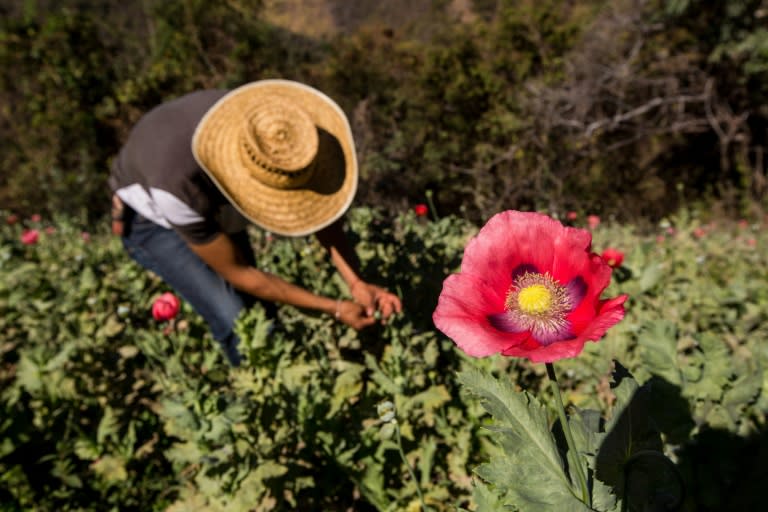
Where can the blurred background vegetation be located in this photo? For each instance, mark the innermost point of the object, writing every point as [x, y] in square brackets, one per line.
[626, 108]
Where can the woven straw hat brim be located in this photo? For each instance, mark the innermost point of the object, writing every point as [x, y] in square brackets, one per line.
[291, 212]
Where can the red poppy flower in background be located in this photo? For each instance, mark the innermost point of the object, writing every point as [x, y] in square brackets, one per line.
[30, 236]
[165, 307]
[421, 210]
[571, 215]
[12, 219]
[528, 287]
[36, 217]
[593, 221]
[613, 257]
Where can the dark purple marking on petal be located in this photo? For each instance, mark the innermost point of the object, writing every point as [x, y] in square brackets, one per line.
[504, 322]
[522, 269]
[549, 336]
[576, 289]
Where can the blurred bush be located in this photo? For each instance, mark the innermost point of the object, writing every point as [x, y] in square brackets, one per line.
[611, 107]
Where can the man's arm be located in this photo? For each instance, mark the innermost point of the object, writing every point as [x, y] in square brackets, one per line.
[344, 258]
[222, 255]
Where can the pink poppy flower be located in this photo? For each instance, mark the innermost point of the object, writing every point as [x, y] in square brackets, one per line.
[86, 236]
[30, 236]
[35, 217]
[571, 216]
[593, 221]
[12, 219]
[50, 230]
[421, 210]
[528, 287]
[613, 257]
[165, 307]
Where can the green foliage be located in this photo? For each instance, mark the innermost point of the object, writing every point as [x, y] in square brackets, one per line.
[100, 404]
[529, 474]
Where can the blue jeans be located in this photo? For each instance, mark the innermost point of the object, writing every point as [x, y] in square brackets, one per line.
[166, 254]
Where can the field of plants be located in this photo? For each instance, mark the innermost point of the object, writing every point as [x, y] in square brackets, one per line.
[102, 407]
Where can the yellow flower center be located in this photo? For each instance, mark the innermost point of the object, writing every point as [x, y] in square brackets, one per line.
[535, 299]
[540, 304]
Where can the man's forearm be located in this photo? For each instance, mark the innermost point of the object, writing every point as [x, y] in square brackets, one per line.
[273, 288]
[341, 252]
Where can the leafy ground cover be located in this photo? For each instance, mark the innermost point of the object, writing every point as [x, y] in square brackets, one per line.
[103, 406]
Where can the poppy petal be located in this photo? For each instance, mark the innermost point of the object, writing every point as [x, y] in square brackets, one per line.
[462, 314]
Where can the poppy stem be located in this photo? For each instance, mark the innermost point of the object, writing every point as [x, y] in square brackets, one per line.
[432, 208]
[410, 469]
[577, 460]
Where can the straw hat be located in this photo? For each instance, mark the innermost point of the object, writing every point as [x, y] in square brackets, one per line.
[282, 153]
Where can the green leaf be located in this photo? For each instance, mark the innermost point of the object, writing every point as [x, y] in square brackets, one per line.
[347, 386]
[86, 449]
[604, 498]
[108, 426]
[428, 401]
[65, 470]
[29, 375]
[630, 430]
[487, 500]
[588, 435]
[530, 472]
[112, 327]
[650, 277]
[111, 469]
[658, 346]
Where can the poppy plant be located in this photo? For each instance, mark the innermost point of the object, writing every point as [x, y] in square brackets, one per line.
[30, 237]
[165, 307]
[421, 210]
[528, 287]
[613, 257]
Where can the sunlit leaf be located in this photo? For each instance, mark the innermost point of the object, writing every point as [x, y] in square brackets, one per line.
[531, 471]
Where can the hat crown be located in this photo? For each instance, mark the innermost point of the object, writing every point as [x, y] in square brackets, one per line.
[279, 143]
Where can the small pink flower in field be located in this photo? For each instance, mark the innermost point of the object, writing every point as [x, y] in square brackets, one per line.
[30, 236]
[751, 242]
[671, 231]
[421, 210]
[528, 287]
[593, 221]
[660, 239]
[50, 230]
[699, 232]
[165, 307]
[12, 219]
[743, 224]
[571, 215]
[35, 217]
[613, 257]
[86, 236]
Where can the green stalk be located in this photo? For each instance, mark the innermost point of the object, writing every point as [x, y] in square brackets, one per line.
[577, 460]
[432, 209]
[407, 465]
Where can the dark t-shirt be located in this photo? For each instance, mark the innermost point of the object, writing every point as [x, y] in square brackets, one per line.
[156, 174]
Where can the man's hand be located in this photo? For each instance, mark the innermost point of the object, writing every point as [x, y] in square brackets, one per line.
[353, 314]
[374, 298]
